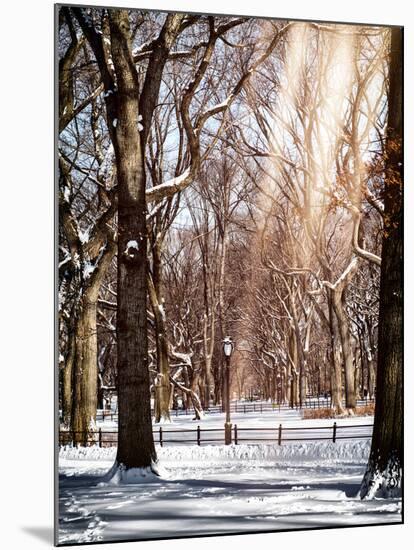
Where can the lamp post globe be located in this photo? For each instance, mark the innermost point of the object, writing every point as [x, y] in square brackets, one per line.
[228, 346]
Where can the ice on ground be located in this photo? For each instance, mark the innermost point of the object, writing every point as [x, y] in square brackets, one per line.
[218, 489]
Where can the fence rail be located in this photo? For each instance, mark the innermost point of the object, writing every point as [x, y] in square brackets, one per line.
[246, 407]
[197, 435]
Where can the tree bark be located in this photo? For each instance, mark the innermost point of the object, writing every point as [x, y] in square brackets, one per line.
[383, 477]
[336, 363]
[163, 386]
[85, 373]
[293, 375]
[338, 300]
[135, 440]
[85, 360]
[67, 386]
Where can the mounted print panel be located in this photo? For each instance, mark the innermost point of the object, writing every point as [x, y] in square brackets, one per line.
[229, 273]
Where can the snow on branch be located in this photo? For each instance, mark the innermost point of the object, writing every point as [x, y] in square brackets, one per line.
[170, 187]
[345, 276]
[355, 237]
[246, 76]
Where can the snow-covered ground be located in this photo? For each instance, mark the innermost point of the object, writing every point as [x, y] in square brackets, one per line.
[219, 489]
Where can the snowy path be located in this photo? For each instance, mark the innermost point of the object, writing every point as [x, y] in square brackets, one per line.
[217, 489]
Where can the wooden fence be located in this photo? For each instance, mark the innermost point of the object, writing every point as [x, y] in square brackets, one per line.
[197, 435]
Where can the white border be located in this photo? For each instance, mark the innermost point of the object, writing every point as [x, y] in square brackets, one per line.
[26, 256]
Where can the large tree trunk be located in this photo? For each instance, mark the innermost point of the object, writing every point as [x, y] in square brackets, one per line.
[135, 440]
[384, 471]
[123, 102]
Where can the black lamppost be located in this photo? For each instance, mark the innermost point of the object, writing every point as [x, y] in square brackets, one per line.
[292, 385]
[228, 347]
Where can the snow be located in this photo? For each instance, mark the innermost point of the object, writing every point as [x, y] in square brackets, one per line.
[66, 194]
[76, 260]
[220, 106]
[217, 453]
[132, 244]
[119, 475]
[105, 169]
[161, 310]
[114, 122]
[169, 187]
[88, 269]
[382, 483]
[84, 235]
[218, 489]
[65, 260]
[130, 247]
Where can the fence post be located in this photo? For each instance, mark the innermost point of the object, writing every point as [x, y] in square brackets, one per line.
[198, 436]
[334, 433]
[254, 407]
[235, 434]
[100, 437]
[279, 438]
[261, 407]
[244, 409]
[161, 436]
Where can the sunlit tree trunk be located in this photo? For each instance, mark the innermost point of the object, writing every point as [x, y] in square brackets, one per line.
[339, 307]
[293, 377]
[163, 386]
[336, 363]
